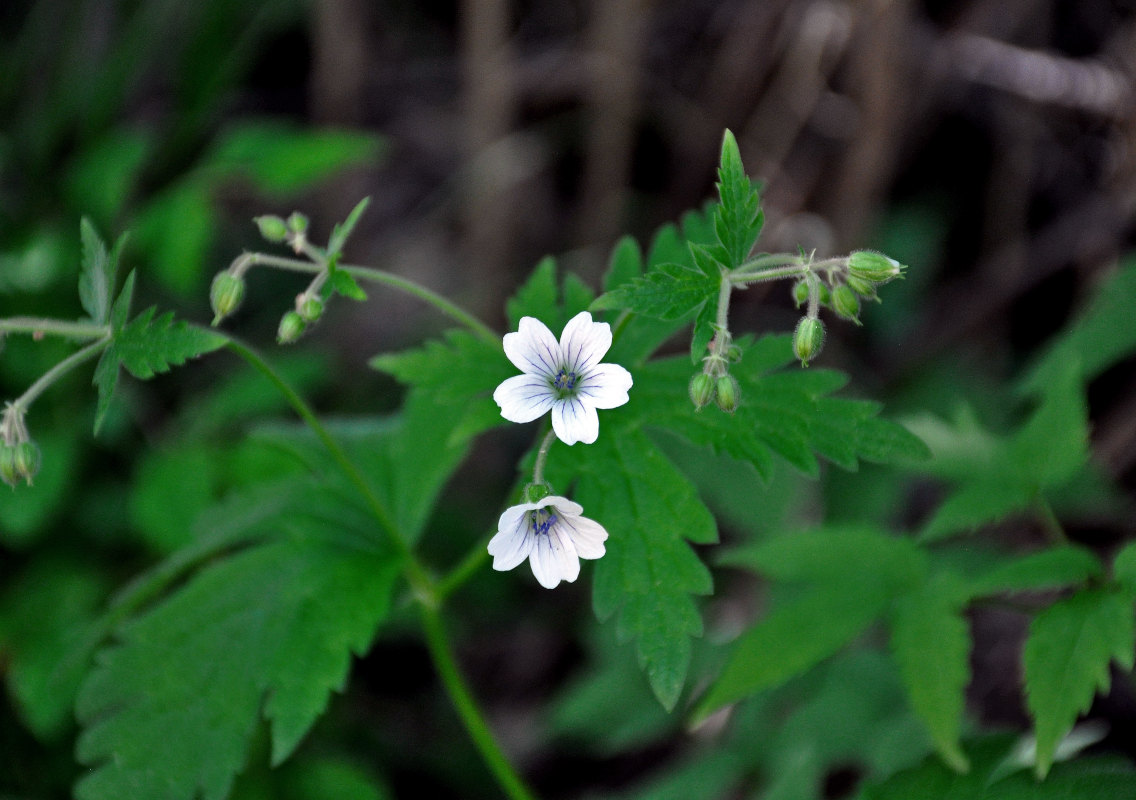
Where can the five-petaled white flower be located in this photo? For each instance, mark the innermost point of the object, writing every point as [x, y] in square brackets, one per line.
[551, 534]
[566, 377]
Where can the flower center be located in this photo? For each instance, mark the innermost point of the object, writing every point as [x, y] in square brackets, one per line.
[542, 520]
[564, 381]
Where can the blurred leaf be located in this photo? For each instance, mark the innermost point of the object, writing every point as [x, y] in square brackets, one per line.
[172, 486]
[330, 779]
[1052, 568]
[25, 512]
[649, 572]
[1101, 335]
[282, 159]
[175, 231]
[343, 283]
[102, 176]
[537, 297]
[1066, 658]
[99, 273]
[270, 629]
[931, 642]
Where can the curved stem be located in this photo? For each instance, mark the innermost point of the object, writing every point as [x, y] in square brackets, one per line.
[542, 456]
[467, 708]
[406, 285]
[61, 369]
[466, 569]
[56, 327]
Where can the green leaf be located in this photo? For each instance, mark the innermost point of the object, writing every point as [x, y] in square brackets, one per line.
[282, 159]
[170, 709]
[537, 297]
[774, 649]
[1066, 661]
[148, 346]
[1101, 335]
[176, 230]
[974, 505]
[1053, 444]
[738, 219]
[106, 381]
[120, 311]
[172, 487]
[931, 643]
[649, 573]
[669, 292]
[341, 231]
[98, 273]
[1124, 567]
[1052, 568]
[344, 283]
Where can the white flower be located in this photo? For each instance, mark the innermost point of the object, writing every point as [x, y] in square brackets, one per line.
[566, 377]
[551, 534]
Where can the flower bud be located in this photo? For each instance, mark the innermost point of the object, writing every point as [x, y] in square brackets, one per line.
[272, 228]
[292, 327]
[27, 460]
[311, 309]
[808, 339]
[701, 390]
[726, 395]
[824, 296]
[873, 266]
[297, 222]
[861, 287]
[846, 303]
[225, 295]
[9, 473]
[801, 292]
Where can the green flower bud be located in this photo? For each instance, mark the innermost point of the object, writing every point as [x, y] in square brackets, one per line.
[801, 292]
[9, 472]
[846, 303]
[808, 339]
[292, 327]
[727, 393]
[297, 222]
[864, 288]
[824, 295]
[225, 295]
[311, 309]
[27, 460]
[873, 266]
[272, 228]
[535, 492]
[701, 390]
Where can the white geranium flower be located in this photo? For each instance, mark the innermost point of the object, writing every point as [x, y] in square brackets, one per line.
[566, 377]
[551, 534]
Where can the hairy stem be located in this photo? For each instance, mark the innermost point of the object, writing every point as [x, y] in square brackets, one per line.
[55, 327]
[439, 302]
[542, 456]
[61, 369]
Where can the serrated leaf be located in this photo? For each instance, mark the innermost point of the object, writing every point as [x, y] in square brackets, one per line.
[272, 628]
[342, 231]
[669, 292]
[738, 218]
[1101, 334]
[625, 264]
[120, 311]
[1052, 568]
[105, 381]
[537, 297]
[98, 272]
[345, 284]
[1054, 443]
[1066, 661]
[148, 345]
[649, 574]
[1124, 567]
[975, 505]
[774, 649]
[931, 643]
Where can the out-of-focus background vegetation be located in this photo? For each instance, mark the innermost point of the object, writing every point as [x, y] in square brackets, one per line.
[989, 145]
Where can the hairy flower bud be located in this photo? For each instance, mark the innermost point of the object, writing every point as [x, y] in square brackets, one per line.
[310, 308]
[726, 393]
[27, 460]
[864, 288]
[808, 339]
[701, 390]
[872, 266]
[846, 303]
[9, 473]
[225, 295]
[292, 327]
[297, 222]
[272, 228]
[801, 292]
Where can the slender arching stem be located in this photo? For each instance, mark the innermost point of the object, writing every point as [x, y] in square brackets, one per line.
[61, 369]
[55, 327]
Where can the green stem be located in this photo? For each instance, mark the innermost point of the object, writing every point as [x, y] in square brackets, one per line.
[56, 327]
[467, 707]
[770, 274]
[724, 289]
[439, 302]
[60, 369]
[542, 456]
[466, 569]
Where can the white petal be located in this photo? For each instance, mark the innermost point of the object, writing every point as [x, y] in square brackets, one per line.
[575, 421]
[523, 398]
[584, 343]
[533, 348]
[588, 536]
[512, 544]
[606, 386]
[561, 504]
[554, 558]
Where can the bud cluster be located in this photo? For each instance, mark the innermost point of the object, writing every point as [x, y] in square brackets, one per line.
[715, 383]
[19, 455]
